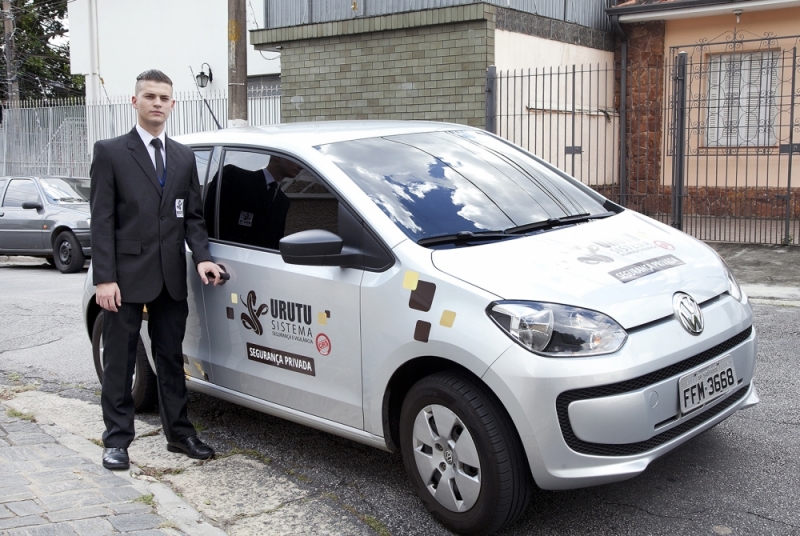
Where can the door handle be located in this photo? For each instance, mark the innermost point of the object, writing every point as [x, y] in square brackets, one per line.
[2, 214]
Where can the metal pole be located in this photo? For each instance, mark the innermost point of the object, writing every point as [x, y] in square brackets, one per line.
[786, 238]
[49, 138]
[679, 146]
[237, 64]
[491, 110]
[623, 128]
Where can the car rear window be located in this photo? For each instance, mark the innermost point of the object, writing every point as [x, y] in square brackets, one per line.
[438, 183]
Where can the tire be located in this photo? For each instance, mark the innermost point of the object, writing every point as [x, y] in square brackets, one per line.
[145, 387]
[67, 253]
[462, 454]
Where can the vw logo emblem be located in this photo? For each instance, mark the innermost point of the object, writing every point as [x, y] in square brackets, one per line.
[448, 457]
[688, 312]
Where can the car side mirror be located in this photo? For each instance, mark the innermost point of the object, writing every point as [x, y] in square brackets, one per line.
[317, 247]
[32, 205]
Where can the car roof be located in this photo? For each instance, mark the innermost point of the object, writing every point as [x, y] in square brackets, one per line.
[310, 134]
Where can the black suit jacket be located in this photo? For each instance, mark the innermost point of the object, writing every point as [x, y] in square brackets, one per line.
[137, 234]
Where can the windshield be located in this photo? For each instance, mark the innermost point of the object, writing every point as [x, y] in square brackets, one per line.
[66, 191]
[441, 183]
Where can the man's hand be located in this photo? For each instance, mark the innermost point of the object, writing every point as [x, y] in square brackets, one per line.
[108, 296]
[209, 267]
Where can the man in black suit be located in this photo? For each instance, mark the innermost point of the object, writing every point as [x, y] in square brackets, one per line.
[145, 201]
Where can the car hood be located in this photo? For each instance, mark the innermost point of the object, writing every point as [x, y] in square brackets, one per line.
[78, 211]
[626, 266]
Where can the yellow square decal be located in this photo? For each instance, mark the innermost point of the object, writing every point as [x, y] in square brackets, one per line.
[234, 298]
[410, 280]
[448, 318]
[322, 318]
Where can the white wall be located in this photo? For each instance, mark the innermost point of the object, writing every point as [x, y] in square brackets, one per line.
[169, 35]
[518, 51]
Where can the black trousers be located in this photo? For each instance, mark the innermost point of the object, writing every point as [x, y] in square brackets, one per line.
[166, 326]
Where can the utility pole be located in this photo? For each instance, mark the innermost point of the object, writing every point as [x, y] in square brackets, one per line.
[237, 63]
[11, 70]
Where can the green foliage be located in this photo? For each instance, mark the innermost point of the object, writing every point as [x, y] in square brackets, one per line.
[41, 51]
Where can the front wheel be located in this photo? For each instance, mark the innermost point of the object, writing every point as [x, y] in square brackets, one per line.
[67, 253]
[462, 454]
[145, 388]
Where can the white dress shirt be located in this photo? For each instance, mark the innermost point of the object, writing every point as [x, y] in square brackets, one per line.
[147, 138]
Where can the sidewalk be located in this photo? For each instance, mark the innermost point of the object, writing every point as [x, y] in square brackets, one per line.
[51, 483]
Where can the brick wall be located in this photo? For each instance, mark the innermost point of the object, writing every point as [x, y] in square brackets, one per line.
[427, 65]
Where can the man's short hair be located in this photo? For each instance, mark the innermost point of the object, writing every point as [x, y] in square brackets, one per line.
[152, 75]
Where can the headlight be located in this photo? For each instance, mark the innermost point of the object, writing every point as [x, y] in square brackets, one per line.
[733, 287]
[555, 330]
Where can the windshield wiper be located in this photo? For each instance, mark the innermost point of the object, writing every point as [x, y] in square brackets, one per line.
[463, 236]
[557, 222]
[71, 200]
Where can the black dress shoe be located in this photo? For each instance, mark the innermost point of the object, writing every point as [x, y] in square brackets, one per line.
[116, 458]
[192, 447]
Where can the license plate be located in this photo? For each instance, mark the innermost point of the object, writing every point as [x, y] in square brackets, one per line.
[709, 383]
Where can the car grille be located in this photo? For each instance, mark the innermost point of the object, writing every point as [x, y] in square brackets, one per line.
[601, 449]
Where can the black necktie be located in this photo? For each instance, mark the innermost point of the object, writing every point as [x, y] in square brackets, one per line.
[155, 142]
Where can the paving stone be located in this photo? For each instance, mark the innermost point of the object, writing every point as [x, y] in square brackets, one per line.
[27, 521]
[130, 508]
[12, 481]
[152, 532]
[73, 500]
[52, 476]
[32, 439]
[16, 467]
[16, 494]
[131, 522]
[95, 469]
[106, 481]
[54, 488]
[93, 527]
[126, 493]
[25, 508]
[19, 454]
[54, 450]
[4, 443]
[71, 514]
[62, 463]
[55, 529]
[20, 426]
[5, 512]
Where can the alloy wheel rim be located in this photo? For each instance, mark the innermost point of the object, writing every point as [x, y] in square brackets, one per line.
[447, 458]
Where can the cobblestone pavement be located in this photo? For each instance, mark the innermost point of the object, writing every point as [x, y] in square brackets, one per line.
[47, 488]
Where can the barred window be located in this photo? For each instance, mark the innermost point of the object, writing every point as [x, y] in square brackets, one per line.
[741, 99]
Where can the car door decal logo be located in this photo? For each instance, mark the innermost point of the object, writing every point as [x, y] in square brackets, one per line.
[281, 359]
[250, 321]
[421, 299]
[290, 320]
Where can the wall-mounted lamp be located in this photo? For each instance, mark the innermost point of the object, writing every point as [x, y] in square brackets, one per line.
[738, 12]
[202, 78]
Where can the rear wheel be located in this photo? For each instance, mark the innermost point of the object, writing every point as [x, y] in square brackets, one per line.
[145, 388]
[462, 454]
[67, 253]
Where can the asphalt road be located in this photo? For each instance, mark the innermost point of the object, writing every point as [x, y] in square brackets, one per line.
[738, 478]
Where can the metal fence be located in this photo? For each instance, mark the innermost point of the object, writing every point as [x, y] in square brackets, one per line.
[281, 13]
[565, 115]
[55, 137]
[710, 148]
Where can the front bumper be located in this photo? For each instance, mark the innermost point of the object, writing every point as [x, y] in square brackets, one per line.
[589, 421]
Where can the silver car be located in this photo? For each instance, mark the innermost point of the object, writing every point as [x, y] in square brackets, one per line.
[440, 291]
[46, 217]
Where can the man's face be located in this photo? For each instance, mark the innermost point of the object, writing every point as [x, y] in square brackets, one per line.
[289, 168]
[153, 102]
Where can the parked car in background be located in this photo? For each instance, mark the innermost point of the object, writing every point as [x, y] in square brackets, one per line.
[442, 292]
[46, 217]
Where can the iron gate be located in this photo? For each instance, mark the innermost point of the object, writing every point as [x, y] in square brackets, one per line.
[712, 150]
[733, 132]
